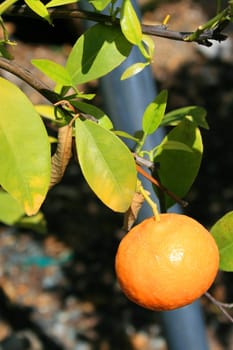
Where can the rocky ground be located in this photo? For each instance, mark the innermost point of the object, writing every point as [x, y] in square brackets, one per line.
[51, 298]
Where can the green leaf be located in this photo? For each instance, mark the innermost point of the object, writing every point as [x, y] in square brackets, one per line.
[47, 111]
[10, 209]
[107, 165]
[100, 43]
[130, 25]
[222, 232]
[176, 146]
[36, 223]
[133, 70]
[5, 5]
[149, 42]
[54, 3]
[4, 52]
[94, 111]
[154, 113]
[178, 168]
[100, 5]
[54, 71]
[88, 97]
[39, 8]
[24, 149]
[197, 114]
[126, 135]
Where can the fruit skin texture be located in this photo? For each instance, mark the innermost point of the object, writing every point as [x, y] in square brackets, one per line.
[166, 264]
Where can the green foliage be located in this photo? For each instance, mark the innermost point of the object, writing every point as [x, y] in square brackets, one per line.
[36, 223]
[97, 113]
[130, 24]
[54, 71]
[222, 231]
[100, 5]
[54, 3]
[39, 8]
[98, 44]
[131, 28]
[5, 5]
[197, 114]
[154, 113]
[178, 167]
[10, 210]
[11, 213]
[48, 112]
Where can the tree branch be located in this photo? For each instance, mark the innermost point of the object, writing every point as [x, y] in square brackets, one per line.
[203, 37]
[27, 76]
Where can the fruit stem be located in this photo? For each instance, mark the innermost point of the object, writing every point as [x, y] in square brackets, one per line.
[160, 186]
[152, 204]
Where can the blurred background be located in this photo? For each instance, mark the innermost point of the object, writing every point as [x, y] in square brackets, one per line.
[58, 291]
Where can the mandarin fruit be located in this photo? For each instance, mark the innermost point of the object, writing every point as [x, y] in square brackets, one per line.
[166, 264]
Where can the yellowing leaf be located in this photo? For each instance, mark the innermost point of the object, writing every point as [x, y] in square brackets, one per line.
[133, 70]
[107, 165]
[24, 149]
[150, 45]
[10, 209]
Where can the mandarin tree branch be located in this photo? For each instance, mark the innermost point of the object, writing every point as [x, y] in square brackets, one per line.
[203, 37]
[25, 75]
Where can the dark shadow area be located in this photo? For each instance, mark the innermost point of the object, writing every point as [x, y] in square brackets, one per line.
[94, 232]
[38, 31]
[18, 317]
[33, 29]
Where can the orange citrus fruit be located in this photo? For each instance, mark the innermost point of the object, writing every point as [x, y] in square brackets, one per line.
[166, 264]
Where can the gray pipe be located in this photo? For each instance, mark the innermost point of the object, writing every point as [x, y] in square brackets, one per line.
[125, 101]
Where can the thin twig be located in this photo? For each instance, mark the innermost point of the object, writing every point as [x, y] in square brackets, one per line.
[221, 306]
[160, 186]
[226, 305]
